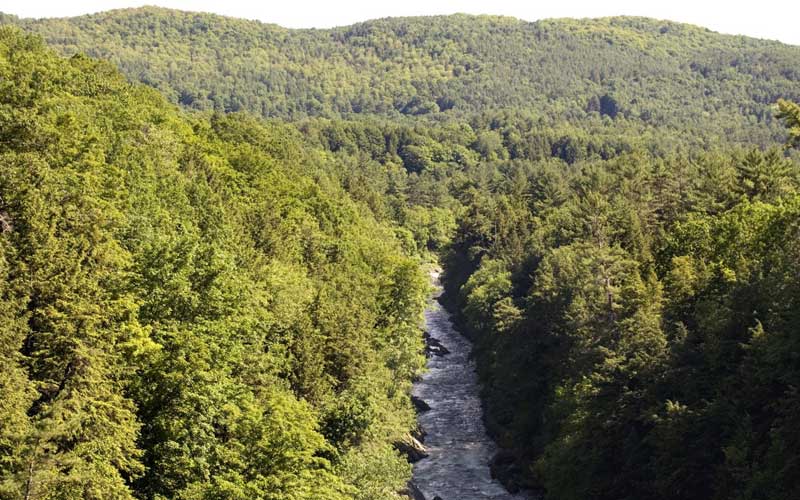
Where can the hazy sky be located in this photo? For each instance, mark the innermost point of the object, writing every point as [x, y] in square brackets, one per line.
[774, 19]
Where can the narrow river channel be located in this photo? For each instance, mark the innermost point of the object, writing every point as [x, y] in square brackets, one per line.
[456, 440]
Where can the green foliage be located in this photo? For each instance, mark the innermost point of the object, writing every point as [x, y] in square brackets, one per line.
[789, 112]
[621, 69]
[622, 345]
[188, 303]
[207, 305]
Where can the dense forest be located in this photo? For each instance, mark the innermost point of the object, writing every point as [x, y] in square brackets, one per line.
[652, 73]
[211, 258]
[191, 307]
[636, 323]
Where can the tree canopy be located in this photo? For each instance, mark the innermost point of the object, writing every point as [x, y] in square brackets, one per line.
[191, 307]
[654, 73]
[211, 258]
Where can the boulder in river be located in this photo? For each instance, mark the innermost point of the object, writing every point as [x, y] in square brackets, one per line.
[433, 347]
[419, 433]
[411, 491]
[411, 448]
[420, 405]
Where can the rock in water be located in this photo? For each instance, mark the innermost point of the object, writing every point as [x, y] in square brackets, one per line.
[420, 405]
[419, 433]
[411, 491]
[433, 347]
[412, 449]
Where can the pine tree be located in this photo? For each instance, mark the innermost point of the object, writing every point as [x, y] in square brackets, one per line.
[17, 391]
[789, 112]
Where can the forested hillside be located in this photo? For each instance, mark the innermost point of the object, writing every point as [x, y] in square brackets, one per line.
[634, 313]
[199, 304]
[189, 307]
[653, 73]
[636, 323]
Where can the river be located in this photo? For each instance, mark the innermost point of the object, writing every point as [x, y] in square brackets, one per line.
[456, 440]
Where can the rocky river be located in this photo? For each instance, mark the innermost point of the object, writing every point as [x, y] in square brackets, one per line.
[459, 450]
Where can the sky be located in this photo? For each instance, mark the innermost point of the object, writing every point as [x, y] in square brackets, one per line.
[772, 19]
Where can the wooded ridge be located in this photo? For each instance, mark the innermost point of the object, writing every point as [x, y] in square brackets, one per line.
[213, 233]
